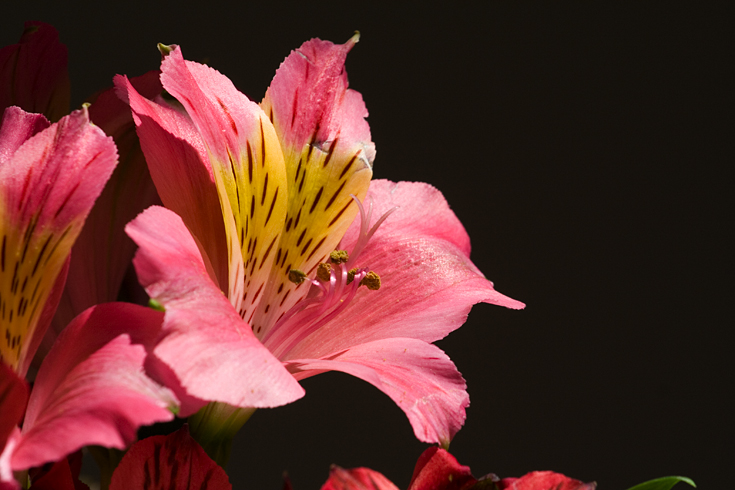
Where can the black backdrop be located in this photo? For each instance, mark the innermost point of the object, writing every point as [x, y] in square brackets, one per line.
[583, 147]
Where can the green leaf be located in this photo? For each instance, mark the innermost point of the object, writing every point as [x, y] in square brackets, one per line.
[664, 483]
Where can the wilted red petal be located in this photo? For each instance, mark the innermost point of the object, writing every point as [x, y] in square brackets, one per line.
[174, 462]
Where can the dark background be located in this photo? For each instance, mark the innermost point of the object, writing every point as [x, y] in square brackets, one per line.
[588, 151]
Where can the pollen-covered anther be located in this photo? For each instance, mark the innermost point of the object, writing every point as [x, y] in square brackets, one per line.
[351, 275]
[296, 276]
[339, 256]
[324, 272]
[371, 281]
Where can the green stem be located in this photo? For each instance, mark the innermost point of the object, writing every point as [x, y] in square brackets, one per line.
[214, 428]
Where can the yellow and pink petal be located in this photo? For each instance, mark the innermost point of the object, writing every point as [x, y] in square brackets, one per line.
[328, 154]
[48, 185]
[248, 167]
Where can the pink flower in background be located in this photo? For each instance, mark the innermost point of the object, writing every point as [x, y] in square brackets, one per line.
[284, 174]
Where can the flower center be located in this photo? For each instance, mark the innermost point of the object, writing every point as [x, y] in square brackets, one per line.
[333, 286]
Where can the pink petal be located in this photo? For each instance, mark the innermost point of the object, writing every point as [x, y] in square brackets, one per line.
[48, 186]
[103, 252]
[176, 159]
[418, 376]
[18, 126]
[357, 479]
[544, 480]
[174, 462]
[428, 283]
[13, 398]
[91, 388]
[436, 469]
[33, 73]
[211, 350]
[309, 99]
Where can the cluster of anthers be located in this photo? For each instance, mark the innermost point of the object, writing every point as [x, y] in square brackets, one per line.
[334, 286]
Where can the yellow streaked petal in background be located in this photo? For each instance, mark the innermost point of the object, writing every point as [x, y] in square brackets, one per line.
[48, 185]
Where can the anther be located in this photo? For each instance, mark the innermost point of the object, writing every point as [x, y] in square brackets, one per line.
[339, 256]
[351, 275]
[324, 272]
[371, 281]
[296, 276]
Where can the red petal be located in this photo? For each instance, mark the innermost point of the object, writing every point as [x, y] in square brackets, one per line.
[33, 73]
[175, 462]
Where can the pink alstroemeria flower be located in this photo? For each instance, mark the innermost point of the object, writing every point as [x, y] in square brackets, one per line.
[259, 198]
[91, 388]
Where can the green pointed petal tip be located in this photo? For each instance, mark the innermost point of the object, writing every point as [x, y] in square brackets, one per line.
[156, 305]
[664, 483]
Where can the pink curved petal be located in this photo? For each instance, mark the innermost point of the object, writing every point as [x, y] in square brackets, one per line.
[177, 161]
[174, 462]
[48, 185]
[436, 469]
[211, 350]
[544, 480]
[33, 73]
[13, 398]
[428, 283]
[357, 479]
[308, 98]
[419, 377]
[91, 388]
